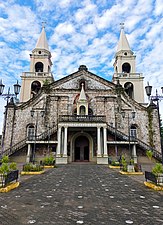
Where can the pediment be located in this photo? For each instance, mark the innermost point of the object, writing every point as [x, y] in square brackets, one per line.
[93, 82]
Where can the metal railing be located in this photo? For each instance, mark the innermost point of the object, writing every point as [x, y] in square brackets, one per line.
[8, 178]
[157, 155]
[44, 135]
[23, 143]
[82, 118]
[158, 180]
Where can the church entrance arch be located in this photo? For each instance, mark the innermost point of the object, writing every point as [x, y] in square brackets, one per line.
[81, 147]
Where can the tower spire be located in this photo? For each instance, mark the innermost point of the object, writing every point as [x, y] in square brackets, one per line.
[123, 44]
[42, 41]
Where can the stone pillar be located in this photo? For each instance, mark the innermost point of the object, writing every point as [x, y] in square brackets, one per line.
[98, 142]
[28, 153]
[65, 142]
[59, 142]
[61, 157]
[105, 142]
[134, 155]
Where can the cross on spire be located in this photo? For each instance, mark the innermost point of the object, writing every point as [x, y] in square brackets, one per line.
[122, 25]
[43, 24]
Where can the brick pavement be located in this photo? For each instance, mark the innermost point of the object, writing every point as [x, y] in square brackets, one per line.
[81, 194]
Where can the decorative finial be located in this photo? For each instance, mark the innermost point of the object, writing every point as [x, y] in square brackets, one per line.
[122, 25]
[43, 24]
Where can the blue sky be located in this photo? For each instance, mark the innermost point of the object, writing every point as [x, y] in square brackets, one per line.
[81, 32]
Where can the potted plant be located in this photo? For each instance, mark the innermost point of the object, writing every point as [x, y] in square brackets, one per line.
[49, 160]
[157, 170]
[8, 171]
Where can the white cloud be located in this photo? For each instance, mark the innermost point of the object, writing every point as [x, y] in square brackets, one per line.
[158, 8]
[81, 32]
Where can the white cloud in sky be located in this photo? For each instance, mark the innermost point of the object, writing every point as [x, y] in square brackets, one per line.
[81, 32]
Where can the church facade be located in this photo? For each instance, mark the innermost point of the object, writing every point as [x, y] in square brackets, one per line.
[81, 117]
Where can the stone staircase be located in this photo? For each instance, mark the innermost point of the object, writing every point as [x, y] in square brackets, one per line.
[157, 155]
[21, 144]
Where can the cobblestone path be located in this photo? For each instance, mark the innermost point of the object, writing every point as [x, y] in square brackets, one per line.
[81, 194]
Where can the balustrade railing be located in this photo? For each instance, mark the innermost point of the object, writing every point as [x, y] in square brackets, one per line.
[82, 118]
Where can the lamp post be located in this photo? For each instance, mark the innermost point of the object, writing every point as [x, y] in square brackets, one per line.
[7, 97]
[156, 99]
[128, 120]
[35, 133]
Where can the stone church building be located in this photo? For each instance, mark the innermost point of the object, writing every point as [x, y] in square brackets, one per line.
[81, 117]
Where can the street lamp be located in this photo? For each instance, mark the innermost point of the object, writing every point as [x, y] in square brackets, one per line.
[128, 118]
[7, 97]
[156, 99]
[42, 112]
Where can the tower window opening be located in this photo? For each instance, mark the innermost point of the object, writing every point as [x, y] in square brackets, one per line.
[129, 89]
[125, 53]
[39, 52]
[35, 88]
[39, 66]
[126, 68]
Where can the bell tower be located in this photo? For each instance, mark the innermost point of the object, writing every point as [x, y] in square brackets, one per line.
[125, 69]
[40, 69]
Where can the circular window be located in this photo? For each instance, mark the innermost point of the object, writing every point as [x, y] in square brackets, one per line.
[39, 52]
[125, 53]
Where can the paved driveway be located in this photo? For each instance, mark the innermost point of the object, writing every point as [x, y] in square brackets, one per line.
[81, 194]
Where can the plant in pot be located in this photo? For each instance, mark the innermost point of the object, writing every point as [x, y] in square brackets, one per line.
[49, 160]
[157, 170]
[9, 171]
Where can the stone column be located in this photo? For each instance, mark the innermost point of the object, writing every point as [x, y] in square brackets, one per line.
[65, 142]
[98, 142]
[59, 142]
[134, 155]
[28, 153]
[105, 142]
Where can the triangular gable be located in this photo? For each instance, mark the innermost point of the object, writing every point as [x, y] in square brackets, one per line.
[93, 81]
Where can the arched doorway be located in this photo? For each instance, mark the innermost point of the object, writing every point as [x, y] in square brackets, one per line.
[81, 149]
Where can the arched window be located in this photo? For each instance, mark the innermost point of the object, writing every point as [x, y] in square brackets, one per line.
[129, 89]
[133, 131]
[31, 132]
[35, 88]
[82, 110]
[126, 68]
[39, 67]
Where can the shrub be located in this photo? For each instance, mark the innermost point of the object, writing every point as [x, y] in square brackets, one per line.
[157, 169]
[4, 168]
[48, 161]
[13, 166]
[149, 154]
[5, 159]
[115, 163]
[124, 163]
[29, 167]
